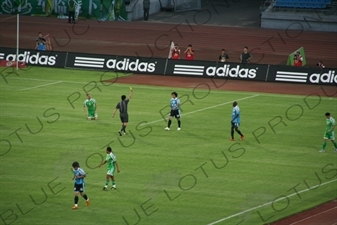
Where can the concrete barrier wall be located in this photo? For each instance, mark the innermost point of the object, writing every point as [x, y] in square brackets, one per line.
[135, 9]
[315, 21]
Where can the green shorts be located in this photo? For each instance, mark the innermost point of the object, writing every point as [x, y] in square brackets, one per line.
[329, 135]
[111, 171]
[91, 114]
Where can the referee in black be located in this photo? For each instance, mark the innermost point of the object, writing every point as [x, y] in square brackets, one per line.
[122, 106]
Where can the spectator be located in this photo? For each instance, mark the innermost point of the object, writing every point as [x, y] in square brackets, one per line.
[40, 43]
[175, 52]
[245, 56]
[223, 57]
[320, 65]
[71, 13]
[189, 53]
[146, 8]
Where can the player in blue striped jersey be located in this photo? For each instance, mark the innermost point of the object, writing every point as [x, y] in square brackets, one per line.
[79, 176]
[175, 110]
[235, 122]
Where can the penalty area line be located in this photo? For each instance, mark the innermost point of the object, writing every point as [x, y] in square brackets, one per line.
[199, 110]
[268, 203]
[41, 86]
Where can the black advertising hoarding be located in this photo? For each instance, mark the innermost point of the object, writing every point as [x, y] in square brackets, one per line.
[187, 67]
[34, 58]
[323, 76]
[217, 70]
[134, 64]
[88, 61]
[292, 74]
[115, 63]
[256, 72]
[163, 66]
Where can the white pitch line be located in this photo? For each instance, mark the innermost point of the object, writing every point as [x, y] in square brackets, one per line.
[313, 216]
[149, 86]
[146, 86]
[139, 86]
[41, 86]
[210, 107]
[268, 203]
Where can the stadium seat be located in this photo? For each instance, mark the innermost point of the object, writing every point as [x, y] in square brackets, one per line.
[305, 4]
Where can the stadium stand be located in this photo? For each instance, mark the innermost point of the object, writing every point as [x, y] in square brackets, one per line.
[305, 4]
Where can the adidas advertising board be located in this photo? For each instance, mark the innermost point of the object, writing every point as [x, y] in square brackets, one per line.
[163, 66]
[217, 70]
[227, 71]
[117, 63]
[34, 58]
[239, 71]
[324, 77]
[187, 67]
[127, 64]
[302, 75]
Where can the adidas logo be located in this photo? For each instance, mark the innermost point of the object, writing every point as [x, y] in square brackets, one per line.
[329, 77]
[35, 59]
[227, 71]
[134, 66]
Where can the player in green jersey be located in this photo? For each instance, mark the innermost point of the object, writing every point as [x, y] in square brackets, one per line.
[329, 132]
[111, 161]
[90, 108]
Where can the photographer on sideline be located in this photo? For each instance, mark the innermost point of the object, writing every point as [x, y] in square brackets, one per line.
[223, 57]
[320, 65]
[175, 52]
[40, 43]
[189, 53]
[298, 59]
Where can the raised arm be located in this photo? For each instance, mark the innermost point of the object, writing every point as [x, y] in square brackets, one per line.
[130, 95]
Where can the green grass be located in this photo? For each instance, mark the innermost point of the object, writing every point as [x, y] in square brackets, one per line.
[193, 176]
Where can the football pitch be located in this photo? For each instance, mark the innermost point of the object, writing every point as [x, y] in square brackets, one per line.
[194, 176]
